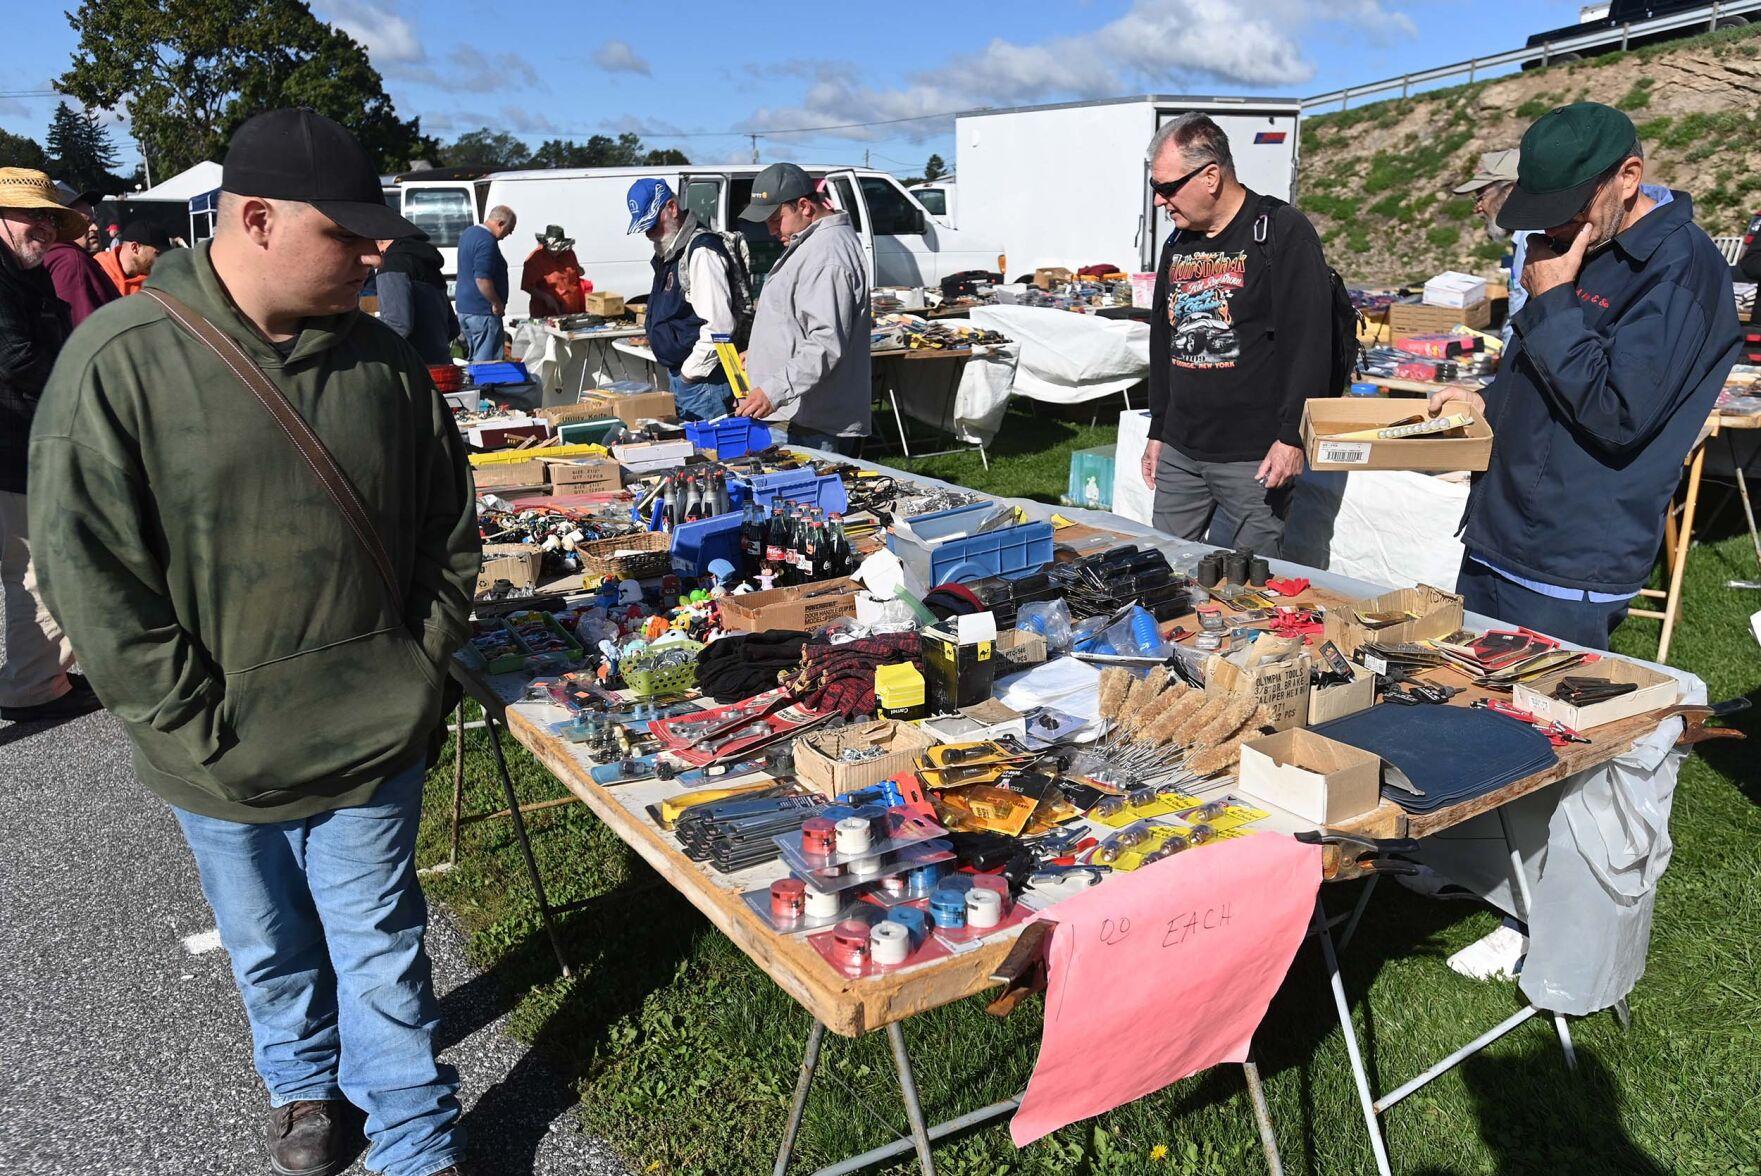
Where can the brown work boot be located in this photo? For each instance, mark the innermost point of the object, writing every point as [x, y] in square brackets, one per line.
[309, 1138]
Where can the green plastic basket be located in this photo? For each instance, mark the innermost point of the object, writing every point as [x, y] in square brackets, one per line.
[643, 680]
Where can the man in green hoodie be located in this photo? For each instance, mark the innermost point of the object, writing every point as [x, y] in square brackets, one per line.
[277, 661]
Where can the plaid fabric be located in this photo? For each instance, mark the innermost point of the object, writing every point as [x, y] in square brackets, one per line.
[841, 677]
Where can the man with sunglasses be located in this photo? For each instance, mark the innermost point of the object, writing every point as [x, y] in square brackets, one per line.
[1240, 332]
[1617, 357]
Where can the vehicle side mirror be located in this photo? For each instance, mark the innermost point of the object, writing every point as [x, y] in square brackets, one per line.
[919, 221]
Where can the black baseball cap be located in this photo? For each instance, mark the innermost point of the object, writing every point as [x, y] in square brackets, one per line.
[775, 186]
[145, 233]
[297, 154]
[1564, 153]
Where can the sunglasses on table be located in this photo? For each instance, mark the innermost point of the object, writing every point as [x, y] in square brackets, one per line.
[1168, 189]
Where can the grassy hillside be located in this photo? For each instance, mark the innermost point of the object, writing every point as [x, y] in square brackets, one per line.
[1376, 179]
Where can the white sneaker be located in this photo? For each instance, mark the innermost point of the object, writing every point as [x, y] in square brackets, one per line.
[1499, 956]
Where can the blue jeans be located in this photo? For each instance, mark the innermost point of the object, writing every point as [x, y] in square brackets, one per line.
[323, 919]
[702, 401]
[1581, 622]
[483, 337]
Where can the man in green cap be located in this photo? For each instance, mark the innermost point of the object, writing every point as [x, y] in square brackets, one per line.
[1616, 360]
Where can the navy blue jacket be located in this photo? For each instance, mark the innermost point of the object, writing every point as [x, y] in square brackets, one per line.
[1597, 403]
[673, 327]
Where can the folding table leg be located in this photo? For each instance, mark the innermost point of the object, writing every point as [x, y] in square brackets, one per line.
[1357, 912]
[1366, 1100]
[1730, 444]
[1262, 1116]
[507, 784]
[1520, 882]
[458, 782]
[1623, 1014]
[898, 417]
[809, 1063]
[913, 1109]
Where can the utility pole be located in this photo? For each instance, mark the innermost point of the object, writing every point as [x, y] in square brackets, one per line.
[754, 148]
[865, 157]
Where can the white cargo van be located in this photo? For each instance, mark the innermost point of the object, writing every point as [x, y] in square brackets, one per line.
[940, 198]
[1067, 185]
[904, 244]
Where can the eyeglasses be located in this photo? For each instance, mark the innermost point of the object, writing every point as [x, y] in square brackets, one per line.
[32, 216]
[1168, 189]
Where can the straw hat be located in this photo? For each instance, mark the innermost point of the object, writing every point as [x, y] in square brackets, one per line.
[20, 187]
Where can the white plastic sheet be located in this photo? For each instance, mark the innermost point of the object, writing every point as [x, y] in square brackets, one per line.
[973, 409]
[1384, 526]
[1070, 358]
[1132, 496]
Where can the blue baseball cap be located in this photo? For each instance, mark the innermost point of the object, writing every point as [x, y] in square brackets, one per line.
[647, 198]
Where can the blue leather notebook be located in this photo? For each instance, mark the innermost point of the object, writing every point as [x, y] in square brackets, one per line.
[1435, 756]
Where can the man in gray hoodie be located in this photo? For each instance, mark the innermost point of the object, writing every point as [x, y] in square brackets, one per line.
[808, 361]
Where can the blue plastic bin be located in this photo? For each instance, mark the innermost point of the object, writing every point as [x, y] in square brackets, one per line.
[1003, 552]
[498, 372]
[802, 486]
[730, 437]
[697, 545]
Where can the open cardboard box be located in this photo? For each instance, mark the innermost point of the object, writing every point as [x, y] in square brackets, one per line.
[520, 564]
[817, 763]
[1282, 687]
[1440, 613]
[1310, 775]
[1345, 698]
[1656, 690]
[1347, 414]
[798, 608]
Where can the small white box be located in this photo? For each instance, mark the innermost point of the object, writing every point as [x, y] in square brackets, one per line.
[1455, 290]
[1656, 690]
[1314, 777]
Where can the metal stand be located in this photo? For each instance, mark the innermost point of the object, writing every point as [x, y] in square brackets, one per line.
[892, 384]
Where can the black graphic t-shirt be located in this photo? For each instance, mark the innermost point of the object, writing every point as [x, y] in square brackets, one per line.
[1239, 335]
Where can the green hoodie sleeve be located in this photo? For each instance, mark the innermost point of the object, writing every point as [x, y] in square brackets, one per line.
[101, 579]
[443, 580]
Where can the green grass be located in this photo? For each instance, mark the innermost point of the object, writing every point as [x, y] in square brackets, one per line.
[682, 1054]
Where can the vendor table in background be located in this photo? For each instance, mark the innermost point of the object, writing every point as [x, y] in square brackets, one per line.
[582, 355]
[943, 389]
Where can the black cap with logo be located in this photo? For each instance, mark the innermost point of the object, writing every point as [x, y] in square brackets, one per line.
[300, 155]
[775, 186]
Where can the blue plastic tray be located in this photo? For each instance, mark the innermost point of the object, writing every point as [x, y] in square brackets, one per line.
[1002, 552]
[697, 545]
[499, 372]
[730, 437]
[804, 486]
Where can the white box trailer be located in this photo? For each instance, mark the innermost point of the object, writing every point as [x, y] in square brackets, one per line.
[1067, 185]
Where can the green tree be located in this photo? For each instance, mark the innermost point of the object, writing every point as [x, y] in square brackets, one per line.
[190, 71]
[667, 157]
[490, 150]
[80, 150]
[22, 151]
[935, 168]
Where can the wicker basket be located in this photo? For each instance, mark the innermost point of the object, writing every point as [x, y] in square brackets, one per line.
[645, 682]
[628, 557]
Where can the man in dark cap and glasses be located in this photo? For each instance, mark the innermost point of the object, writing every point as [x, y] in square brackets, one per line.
[1617, 357]
[270, 613]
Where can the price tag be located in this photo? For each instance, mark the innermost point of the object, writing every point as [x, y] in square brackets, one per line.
[1375, 664]
[1343, 453]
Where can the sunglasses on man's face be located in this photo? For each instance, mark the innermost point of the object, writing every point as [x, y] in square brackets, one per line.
[1168, 189]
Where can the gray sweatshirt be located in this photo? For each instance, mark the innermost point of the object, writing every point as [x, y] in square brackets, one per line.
[809, 349]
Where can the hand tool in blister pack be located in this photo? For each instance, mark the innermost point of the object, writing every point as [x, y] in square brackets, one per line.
[733, 367]
[1558, 734]
[1412, 692]
[696, 777]
[631, 769]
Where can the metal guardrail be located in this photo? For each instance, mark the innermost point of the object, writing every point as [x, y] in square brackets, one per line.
[1545, 54]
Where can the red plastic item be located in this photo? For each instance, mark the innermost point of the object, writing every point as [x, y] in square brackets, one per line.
[1288, 585]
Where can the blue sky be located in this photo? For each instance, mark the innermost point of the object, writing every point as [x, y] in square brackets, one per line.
[700, 76]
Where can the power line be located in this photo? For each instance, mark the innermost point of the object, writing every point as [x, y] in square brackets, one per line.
[668, 134]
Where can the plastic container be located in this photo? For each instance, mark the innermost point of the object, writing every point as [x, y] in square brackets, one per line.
[730, 437]
[899, 692]
[1091, 478]
[499, 372]
[1003, 552]
[802, 486]
[697, 545]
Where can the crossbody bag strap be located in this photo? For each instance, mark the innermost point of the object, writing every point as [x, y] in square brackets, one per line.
[297, 431]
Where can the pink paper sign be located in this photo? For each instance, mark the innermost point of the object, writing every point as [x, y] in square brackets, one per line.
[1163, 972]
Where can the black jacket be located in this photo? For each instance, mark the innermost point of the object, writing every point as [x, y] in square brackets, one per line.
[33, 326]
[413, 302]
[1597, 403]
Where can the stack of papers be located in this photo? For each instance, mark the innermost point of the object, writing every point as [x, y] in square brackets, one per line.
[1436, 756]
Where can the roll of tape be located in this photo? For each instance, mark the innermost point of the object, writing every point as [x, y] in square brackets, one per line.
[923, 880]
[895, 886]
[850, 945]
[984, 908]
[948, 908]
[818, 836]
[994, 882]
[823, 906]
[788, 898]
[912, 919]
[889, 942]
[958, 882]
[855, 834]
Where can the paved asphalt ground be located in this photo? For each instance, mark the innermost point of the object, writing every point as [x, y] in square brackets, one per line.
[124, 1054]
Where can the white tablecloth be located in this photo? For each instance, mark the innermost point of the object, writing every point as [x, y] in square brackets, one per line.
[1070, 358]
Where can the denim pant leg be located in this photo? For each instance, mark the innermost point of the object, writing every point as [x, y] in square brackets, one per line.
[483, 337]
[702, 401]
[254, 879]
[1581, 622]
[361, 863]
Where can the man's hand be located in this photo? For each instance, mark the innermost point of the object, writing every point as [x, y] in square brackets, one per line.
[755, 404]
[1455, 393]
[1283, 462]
[1546, 268]
[1152, 453]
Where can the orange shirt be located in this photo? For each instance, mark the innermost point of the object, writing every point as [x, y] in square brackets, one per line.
[111, 264]
[557, 274]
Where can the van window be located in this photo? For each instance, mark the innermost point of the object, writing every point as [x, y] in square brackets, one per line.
[700, 198]
[765, 248]
[892, 214]
[934, 200]
[847, 202]
[442, 213]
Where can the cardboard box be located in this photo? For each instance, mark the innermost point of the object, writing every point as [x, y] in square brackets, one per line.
[1439, 614]
[1311, 776]
[631, 409]
[507, 475]
[562, 414]
[603, 302]
[520, 564]
[645, 457]
[583, 475]
[1347, 698]
[505, 433]
[1282, 687]
[1656, 690]
[1049, 276]
[960, 662]
[1411, 318]
[817, 763]
[1345, 414]
[1455, 290]
[799, 608]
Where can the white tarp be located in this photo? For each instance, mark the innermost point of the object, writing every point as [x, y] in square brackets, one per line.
[972, 409]
[1070, 358]
[1383, 526]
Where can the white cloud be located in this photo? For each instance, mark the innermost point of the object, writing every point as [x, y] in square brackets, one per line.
[388, 36]
[493, 71]
[619, 57]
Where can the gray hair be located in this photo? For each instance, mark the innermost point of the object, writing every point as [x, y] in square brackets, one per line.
[1198, 139]
[501, 214]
